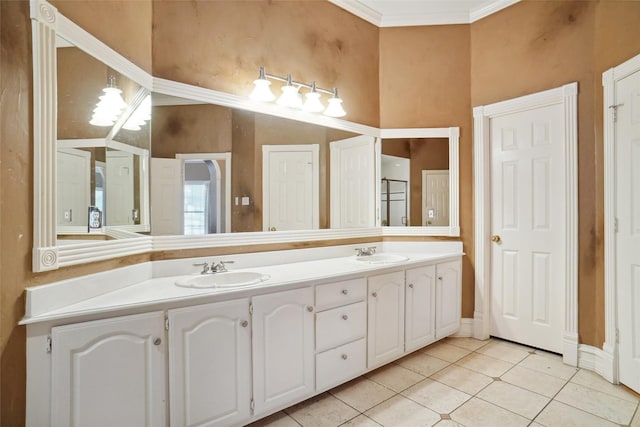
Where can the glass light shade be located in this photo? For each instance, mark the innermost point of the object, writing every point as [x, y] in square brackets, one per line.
[334, 109]
[261, 91]
[108, 108]
[112, 98]
[313, 104]
[140, 116]
[290, 97]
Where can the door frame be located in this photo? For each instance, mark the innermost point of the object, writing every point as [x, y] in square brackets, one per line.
[314, 149]
[567, 96]
[609, 367]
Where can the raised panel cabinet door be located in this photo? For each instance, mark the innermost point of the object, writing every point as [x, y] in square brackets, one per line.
[283, 348]
[109, 372]
[386, 318]
[420, 294]
[448, 298]
[210, 364]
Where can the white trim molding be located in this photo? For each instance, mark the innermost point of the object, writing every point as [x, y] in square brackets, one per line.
[567, 96]
[466, 328]
[599, 361]
[609, 80]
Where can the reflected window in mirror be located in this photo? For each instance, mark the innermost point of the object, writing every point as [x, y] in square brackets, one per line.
[422, 166]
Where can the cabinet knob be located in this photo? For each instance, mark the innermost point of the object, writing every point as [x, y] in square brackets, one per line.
[345, 292]
[374, 294]
[157, 341]
[411, 285]
[309, 308]
[439, 277]
[244, 323]
[345, 317]
[345, 357]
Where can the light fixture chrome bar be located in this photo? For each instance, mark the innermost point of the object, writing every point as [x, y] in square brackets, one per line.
[264, 74]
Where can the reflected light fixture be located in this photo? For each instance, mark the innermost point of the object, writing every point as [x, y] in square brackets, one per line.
[110, 106]
[140, 116]
[291, 97]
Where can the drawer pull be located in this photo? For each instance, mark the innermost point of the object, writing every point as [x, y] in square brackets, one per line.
[345, 317]
[309, 308]
[345, 292]
[244, 323]
[157, 341]
[345, 357]
[374, 294]
[411, 285]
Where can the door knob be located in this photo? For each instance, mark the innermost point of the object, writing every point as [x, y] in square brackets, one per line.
[495, 238]
[272, 229]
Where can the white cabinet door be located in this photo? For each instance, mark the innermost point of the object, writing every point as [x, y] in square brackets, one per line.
[210, 364]
[448, 298]
[283, 353]
[420, 294]
[109, 372]
[386, 318]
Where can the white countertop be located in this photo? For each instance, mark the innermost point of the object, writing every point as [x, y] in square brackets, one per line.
[133, 291]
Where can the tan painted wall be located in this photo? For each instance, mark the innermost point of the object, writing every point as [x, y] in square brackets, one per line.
[425, 82]
[221, 45]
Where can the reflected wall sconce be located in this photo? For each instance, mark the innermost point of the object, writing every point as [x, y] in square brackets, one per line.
[110, 105]
[140, 116]
[292, 98]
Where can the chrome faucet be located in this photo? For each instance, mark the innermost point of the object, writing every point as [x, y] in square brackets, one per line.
[214, 268]
[366, 251]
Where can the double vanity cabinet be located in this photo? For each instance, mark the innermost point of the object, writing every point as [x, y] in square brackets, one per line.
[229, 362]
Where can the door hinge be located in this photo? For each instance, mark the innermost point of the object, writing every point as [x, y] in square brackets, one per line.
[252, 404]
[251, 308]
[49, 344]
[615, 111]
[166, 323]
[617, 336]
[615, 225]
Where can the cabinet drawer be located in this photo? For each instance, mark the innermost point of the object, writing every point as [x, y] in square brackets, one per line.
[340, 293]
[340, 325]
[335, 366]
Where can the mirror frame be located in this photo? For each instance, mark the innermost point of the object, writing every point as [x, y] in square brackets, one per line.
[47, 22]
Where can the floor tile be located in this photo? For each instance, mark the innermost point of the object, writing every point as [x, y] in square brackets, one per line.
[636, 419]
[422, 363]
[445, 351]
[484, 364]
[557, 414]
[436, 396]
[400, 412]
[549, 366]
[548, 355]
[279, 419]
[502, 350]
[448, 423]
[463, 379]
[468, 343]
[535, 381]
[395, 377]
[598, 403]
[362, 393]
[478, 413]
[361, 421]
[596, 382]
[515, 399]
[323, 410]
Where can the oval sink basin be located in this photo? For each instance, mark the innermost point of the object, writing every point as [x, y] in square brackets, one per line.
[381, 258]
[228, 279]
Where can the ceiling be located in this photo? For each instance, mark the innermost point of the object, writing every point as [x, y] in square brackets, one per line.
[402, 13]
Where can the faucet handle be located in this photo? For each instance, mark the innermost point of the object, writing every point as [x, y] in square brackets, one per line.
[372, 250]
[222, 265]
[360, 251]
[204, 265]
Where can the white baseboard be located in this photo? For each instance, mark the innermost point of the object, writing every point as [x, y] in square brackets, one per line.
[466, 328]
[598, 361]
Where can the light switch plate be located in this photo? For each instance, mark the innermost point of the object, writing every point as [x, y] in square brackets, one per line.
[245, 201]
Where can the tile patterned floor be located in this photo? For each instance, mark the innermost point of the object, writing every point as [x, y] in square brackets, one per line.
[466, 382]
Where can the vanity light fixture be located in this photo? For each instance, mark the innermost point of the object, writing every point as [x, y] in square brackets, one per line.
[110, 106]
[140, 116]
[291, 97]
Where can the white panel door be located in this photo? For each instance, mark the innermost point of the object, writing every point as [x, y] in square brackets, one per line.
[448, 298]
[527, 216]
[290, 187]
[167, 187]
[385, 304]
[120, 182]
[74, 186]
[420, 294]
[353, 186]
[627, 170]
[435, 198]
[210, 364]
[283, 348]
[109, 372]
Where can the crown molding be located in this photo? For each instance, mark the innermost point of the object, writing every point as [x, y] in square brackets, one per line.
[361, 10]
[496, 6]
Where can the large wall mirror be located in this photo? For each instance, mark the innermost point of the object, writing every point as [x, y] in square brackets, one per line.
[209, 169]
